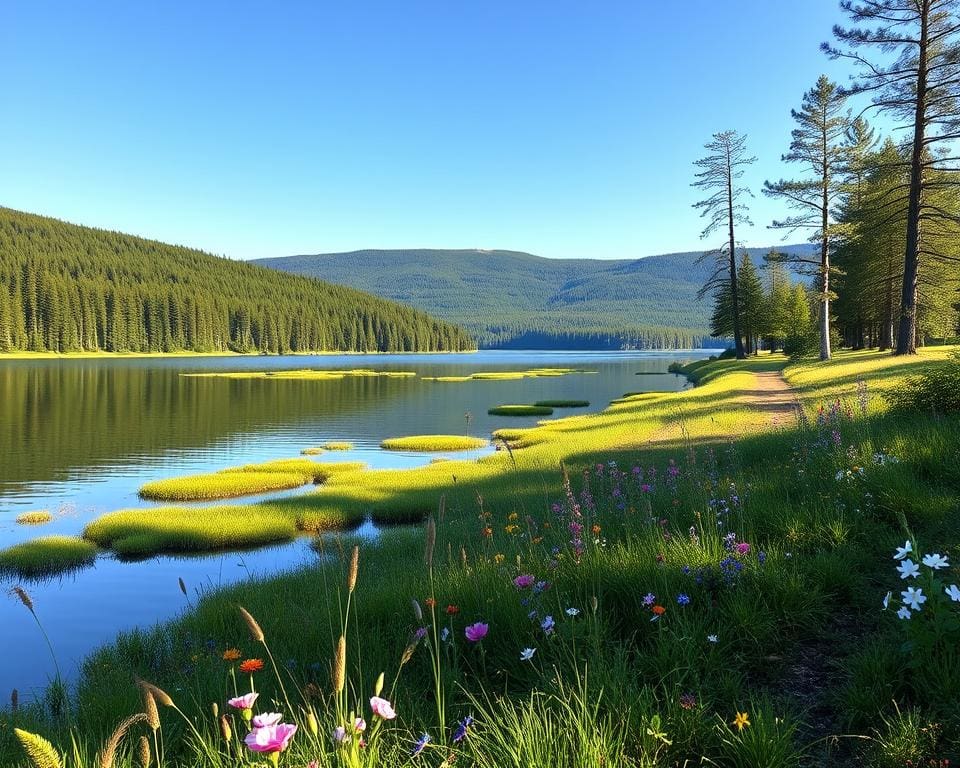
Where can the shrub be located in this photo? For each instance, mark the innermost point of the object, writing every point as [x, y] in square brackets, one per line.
[935, 390]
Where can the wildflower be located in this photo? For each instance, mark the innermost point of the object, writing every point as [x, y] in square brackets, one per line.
[953, 593]
[683, 599]
[524, 581]
[512, 516]
[713, 639]
[660, 557]
[462, 727]
[249, 666]
[476, 632]
[452, 610]
[430, 602]
[231, 654]
[498, 558]
[913, 598]
[903, 551]
[903, 613]
[243, 702]
[572, 612]
[742, 548]
[741, 721]
[512, 528]
[649, 599]
[658, 610]
[273, 738]
[908, 568]
[688, 700]
[445, 634]
[547, 625]
[339, 734]
[527, 653]
[420, 633]
[382, 708]
[420, 745]
[595, 530]
[488, 532]
[761, 557]
[359, 725]
[936, 562]
[267, 719]
[886, 600]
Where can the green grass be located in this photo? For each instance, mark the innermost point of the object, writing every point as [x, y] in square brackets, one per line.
[562, 403]
[338, 445]
[520, 410]
[143, 532]
[508, 375]
[37, 517]
[46, 556]
[314, 451]
[430, 443]
[307, 374]
[799, 630]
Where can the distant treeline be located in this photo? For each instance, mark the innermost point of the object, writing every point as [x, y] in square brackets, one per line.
[518, 337]
[67, 288]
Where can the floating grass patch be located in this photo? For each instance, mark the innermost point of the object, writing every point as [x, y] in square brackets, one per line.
[562, 403]
[221, 485]
[520, 410]
[315, 451]
[338, 445]
[306, 374]
[508, 375]
[500, 376]
[37, 517]
[140, 532]
[47, 556]
[429, 443]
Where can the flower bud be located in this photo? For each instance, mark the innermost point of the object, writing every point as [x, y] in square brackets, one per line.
[379, 686]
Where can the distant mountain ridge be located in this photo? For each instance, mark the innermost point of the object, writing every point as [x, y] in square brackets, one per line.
[512, 299]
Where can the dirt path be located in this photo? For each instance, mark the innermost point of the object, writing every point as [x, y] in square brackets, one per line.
[773, 396]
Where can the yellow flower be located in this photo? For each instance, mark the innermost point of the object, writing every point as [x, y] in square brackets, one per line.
[513, 516]
[231, 654]
[512, 528]
[742, 720]
[498, 558]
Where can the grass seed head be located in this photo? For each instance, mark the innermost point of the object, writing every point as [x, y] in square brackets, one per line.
[255, 631]
[40, 752]
[339, 665]
[354, 565]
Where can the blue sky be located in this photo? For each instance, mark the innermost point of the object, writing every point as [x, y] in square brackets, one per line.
[567, 129]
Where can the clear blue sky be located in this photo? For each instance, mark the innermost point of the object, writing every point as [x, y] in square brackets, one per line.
[269, 128]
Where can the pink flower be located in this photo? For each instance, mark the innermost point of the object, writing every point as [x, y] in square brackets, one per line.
[524, 581]
[476, 632]
[267, 719]
[272, 738]
[360, 725]
[244, 702]
[742, 548]
[382, 708]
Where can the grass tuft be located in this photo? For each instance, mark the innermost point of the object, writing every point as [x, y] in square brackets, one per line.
[520, 410]
[429, 443]
[38, 517]
[46, 556]
[562, 403]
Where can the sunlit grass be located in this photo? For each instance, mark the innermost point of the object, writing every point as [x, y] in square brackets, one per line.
[315, 451]
[428, 443]
[562, 403]
[306, 374]
[140, 532]
[338, 445]
[220, 485]
[508, 375]
[46, 556]
[37, 517]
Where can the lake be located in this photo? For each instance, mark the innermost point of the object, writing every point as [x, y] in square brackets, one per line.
[79, 437]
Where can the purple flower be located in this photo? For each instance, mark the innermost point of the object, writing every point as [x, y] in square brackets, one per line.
[761, 557]
[742, 548]
[461, 733]
[420, 745]
[524, 581]
[476, 632]
[649, 599]
[547, 625]
[421, 633]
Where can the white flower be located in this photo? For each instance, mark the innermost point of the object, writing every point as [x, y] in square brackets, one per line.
[953, 593]
[527, 653]
[935, 561]
[913, 598]
[908, 568]
[903, 613]
[886, 600]
[903, 551]
[573, 612]
[712, 638]
[445, 634]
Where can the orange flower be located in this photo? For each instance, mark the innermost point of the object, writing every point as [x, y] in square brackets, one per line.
[452, 610]
[659, 610]
[231, 654]
[488, 531]
[595, 530]
[430, 602]
[249, 666]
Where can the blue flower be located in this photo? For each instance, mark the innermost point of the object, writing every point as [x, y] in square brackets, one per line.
[461, 733]
[420, 745]
[683, 599]
[762, 557]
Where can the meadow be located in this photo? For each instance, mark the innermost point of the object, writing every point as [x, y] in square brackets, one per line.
[669, 582]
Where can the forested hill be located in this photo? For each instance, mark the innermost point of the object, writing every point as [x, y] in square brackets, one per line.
[72, 288]
[513, 299]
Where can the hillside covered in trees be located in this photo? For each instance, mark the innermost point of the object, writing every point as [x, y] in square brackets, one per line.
[509, 299]
[71, 288]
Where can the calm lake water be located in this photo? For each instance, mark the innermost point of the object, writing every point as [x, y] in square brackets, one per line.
[79, 437]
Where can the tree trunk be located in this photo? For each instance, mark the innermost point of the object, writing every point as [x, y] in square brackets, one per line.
[907, 326]
[738, 340]
[825, 255]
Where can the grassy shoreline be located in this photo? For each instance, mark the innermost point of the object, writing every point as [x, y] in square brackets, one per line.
[188, 354]
[766, 559]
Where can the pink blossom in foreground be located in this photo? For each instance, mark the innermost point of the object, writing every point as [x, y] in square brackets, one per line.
[476, 632]
[243, 702]
[742, 548]
[272, 738]
[382, 708]
[267, 719]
